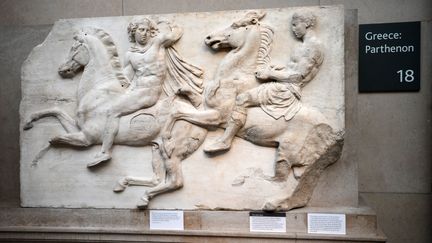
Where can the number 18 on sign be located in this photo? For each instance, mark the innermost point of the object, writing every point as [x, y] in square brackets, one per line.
[389, 57]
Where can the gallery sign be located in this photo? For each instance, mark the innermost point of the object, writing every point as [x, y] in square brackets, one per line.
[267, 222]
[389, 57]
[326, 223]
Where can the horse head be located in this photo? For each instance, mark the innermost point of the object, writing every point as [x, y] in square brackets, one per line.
[78, 57]
[237, 34]
[96, 48]
[249, 43]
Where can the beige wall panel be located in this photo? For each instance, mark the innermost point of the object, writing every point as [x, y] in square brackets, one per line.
[403, 217]
[395, 137]
[383, 11]
[36, 12]
[15, 45]
[331, 178]
[136, 7]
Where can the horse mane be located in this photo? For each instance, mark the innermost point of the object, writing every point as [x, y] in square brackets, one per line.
[265, 46]
[113, 56]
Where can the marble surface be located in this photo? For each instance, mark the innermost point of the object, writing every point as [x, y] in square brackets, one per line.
[60, 178]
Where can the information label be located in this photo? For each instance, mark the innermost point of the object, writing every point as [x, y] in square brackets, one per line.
[389, 57]
[267, 222]
[326, 223]
[166, 220]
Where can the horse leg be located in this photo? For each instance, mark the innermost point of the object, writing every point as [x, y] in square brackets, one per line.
[187, 112]
[282, 169]
[77, 139]
[173, 181]
[188, 139]
[158, 176]
[67, 122]
[322, 147]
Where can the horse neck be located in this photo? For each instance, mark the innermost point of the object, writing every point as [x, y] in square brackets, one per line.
[241, 59]
[98, 72]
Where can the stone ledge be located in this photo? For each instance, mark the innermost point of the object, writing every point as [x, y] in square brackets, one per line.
[107, 225]
[97, 235]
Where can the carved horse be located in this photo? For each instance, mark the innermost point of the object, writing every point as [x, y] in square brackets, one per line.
[95, 54]
[305, 145]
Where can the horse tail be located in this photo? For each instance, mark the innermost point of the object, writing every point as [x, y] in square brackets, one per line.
[39, 156]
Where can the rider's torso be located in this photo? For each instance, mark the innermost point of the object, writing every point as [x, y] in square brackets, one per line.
[298, 55]
[149, 67]
[306, 54]
[150, 70]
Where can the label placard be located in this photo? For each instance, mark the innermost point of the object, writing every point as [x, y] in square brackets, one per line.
[166, 220]
[326, 223]
[267, 222]
[389, 57]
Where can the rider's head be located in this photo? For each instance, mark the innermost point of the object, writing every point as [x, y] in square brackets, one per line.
[301, 22]
[141, 29]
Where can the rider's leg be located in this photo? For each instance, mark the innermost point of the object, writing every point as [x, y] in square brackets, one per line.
[108, 136]
[124, 105]
[237, 120]
[134, 100]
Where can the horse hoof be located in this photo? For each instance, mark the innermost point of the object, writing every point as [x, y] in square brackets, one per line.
[142, 203]
[54, 141]
[99, 159]
[28, 125]
[216, 147]
[239, 181]
[120, 186]
[268, 206]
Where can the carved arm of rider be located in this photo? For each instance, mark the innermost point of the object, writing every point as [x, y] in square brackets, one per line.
[284, 75]
[169, 33]
[128, 70]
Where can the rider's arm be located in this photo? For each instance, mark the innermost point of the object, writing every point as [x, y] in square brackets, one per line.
[169, 33]
[308, 67]
[285, 75]
[128, 69]
[279, 74]
[305, 68]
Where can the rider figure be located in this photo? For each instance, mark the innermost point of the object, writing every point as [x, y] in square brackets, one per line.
[145, 67]
[281, 96]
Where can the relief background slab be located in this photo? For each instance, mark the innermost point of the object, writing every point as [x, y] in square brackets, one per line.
[61, 179]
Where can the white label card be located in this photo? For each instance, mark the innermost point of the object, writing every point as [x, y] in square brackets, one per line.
[267, 222]
[166, 220]
[326, 223]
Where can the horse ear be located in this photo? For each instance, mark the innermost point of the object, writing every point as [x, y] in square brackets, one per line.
[261, 14]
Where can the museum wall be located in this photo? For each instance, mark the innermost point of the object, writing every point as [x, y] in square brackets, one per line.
[393, 133]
